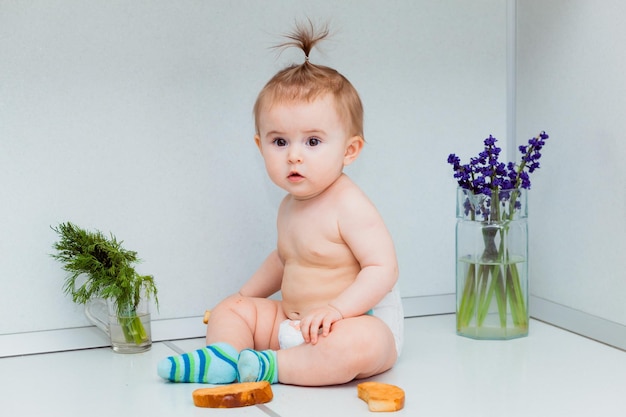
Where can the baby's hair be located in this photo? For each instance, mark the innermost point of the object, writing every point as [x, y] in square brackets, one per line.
[305, 37]
[308, 81]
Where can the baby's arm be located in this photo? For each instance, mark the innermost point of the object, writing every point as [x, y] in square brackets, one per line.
[266, 280]
[364, 231]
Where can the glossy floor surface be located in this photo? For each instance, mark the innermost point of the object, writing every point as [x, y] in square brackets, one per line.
[549, 373]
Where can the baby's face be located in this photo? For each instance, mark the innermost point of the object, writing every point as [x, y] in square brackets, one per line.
[304, 145]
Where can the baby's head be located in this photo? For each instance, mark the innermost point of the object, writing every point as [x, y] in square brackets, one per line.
[307, 82]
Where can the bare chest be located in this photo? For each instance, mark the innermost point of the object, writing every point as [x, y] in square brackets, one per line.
[311, 236]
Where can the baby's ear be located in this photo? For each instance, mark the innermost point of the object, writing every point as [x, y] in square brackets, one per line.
[257, 140]
[353, 149]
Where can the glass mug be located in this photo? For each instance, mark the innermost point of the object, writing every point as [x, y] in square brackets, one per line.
[128, 328]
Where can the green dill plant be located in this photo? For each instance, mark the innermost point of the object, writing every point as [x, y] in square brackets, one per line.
[107, 271]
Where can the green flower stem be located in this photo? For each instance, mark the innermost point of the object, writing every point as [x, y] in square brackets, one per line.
[517, 297]
[501, 298]
[484, 297]
[483, 308]
[468, 299]
[500, 278]
[512, 298]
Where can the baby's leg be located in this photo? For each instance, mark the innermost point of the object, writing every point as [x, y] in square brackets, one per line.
[245, 323]
[236, 323]
[357, 347]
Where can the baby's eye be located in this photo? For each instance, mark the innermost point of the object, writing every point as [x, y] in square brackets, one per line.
[280, 142]
[313, 141]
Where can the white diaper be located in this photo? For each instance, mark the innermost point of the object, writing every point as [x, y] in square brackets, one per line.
[289, 334]
[389, 310]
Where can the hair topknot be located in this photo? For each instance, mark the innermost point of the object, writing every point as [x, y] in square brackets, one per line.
[307, 81]
[305, 36]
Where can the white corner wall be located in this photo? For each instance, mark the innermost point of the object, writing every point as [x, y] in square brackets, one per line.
[135, 118]
[571, 83]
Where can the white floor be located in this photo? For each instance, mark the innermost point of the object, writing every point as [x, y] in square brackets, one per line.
[550, 373]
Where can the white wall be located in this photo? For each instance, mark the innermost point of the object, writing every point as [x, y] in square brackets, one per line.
[135, 118]
[572, 83]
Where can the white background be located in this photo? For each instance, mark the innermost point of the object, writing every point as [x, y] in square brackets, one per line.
[134, 117]
[571, 81]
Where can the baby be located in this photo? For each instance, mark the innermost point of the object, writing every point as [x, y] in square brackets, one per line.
[335, 262]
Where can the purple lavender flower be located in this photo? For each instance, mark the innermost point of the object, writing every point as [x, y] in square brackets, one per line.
[485, 174]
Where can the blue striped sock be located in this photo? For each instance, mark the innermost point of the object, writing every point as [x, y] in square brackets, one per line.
[254, 366]
[214, 364]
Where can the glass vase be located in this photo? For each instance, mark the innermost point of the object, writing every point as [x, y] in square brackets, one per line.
[127, 328]
[492, 264]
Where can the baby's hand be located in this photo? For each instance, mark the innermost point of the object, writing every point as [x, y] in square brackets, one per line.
[317, 323]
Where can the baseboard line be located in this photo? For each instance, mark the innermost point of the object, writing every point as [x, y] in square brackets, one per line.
[58, 340]
[576, 321]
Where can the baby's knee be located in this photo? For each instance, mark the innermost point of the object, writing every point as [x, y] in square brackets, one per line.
[374, 338]
[378, 352]
[235, 302]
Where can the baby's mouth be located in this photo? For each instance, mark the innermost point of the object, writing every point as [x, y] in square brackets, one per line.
[294, 176]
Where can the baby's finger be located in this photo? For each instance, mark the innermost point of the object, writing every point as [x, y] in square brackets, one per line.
[304, 329]
[314, 331]
[325, 330]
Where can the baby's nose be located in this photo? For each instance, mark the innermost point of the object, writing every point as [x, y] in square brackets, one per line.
[295, 156]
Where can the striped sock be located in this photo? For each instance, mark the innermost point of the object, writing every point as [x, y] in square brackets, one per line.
[214, 364]
[254, 366]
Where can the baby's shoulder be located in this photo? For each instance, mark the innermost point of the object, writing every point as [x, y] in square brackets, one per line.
[350, 194]
[347, 189]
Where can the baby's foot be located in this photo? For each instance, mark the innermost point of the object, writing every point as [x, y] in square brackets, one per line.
[254, 366]
[214, 364]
